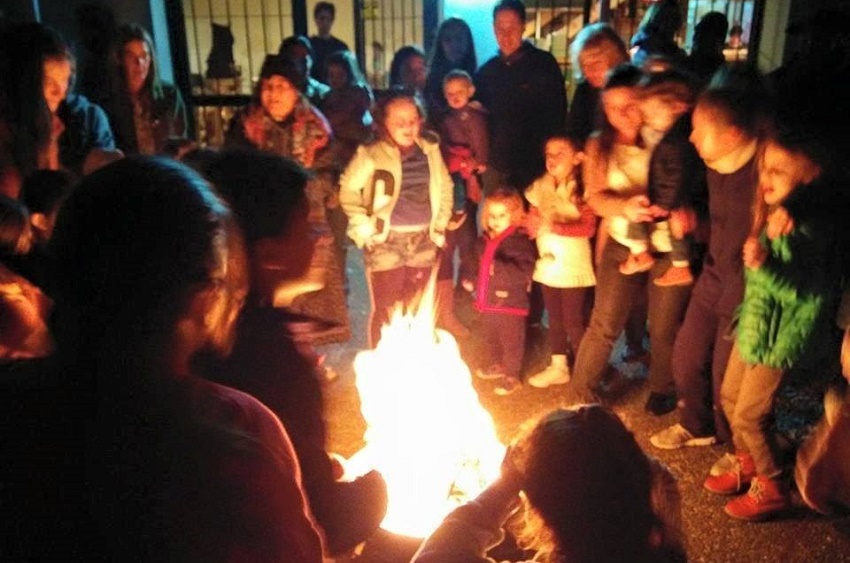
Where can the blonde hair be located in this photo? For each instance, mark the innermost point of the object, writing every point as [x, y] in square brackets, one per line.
[598, 38]
[510, 199]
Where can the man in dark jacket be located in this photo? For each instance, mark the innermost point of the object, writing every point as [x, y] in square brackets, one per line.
[522, 88]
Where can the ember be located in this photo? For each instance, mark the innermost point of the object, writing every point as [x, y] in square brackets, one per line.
[426, 433]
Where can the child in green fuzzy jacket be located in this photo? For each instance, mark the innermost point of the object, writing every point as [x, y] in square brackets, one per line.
[792, 284]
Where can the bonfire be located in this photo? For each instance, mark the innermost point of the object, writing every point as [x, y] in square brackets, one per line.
[427, 432]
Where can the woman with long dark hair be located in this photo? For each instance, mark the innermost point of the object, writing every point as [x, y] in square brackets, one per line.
[145, 111]
[453, 49]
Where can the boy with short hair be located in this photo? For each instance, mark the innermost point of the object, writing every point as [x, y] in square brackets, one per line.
[323, 42]
[464, 144]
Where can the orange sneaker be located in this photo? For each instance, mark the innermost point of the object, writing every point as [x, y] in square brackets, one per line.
[733, 481]
[766, 498]
[675, 275]
[637, 263]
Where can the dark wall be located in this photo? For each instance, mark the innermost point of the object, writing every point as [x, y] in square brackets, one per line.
[827, 21]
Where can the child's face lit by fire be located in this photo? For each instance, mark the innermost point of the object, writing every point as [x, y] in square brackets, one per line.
[561, 159]
[403, 123]
[497, 218]
[781, 171]
[458, 92]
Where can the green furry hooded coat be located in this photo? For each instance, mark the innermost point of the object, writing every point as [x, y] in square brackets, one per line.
[789, 302]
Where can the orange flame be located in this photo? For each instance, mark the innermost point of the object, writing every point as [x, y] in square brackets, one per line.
[427, 433]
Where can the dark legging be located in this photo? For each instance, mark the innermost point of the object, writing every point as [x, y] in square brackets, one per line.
[463, 239]
[567, 309]
[390, 287]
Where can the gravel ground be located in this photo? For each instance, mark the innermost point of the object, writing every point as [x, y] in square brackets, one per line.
[801, 536]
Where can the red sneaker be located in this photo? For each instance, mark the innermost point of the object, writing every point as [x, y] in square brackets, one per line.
[675, 275]
[637, 263]
[766, 498]
[735, 479]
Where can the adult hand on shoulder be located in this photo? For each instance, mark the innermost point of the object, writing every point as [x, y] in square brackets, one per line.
[754, 253]
[637, 209]
[779, 223]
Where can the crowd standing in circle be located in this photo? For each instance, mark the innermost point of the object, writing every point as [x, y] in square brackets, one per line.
[699, 198]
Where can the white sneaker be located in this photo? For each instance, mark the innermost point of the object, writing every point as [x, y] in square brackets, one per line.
[552, 375]
[677, 436]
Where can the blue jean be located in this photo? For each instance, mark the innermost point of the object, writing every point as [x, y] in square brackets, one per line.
[615, 294]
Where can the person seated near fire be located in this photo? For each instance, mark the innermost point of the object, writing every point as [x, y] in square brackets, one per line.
[146, 112]
[281, 120]
[266, 193]
[505, 257]
[48, 125]
[43, 194]
[24, 308]
[578, 505]
[116, 449]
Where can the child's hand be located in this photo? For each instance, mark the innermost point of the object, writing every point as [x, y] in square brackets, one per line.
[439, 239]
[682, 222]
[636, 209]
[658, 212]
[779, 223]
[754, 253]
[468, 285]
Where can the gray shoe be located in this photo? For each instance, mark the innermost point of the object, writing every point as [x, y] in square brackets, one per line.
[677, 436]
